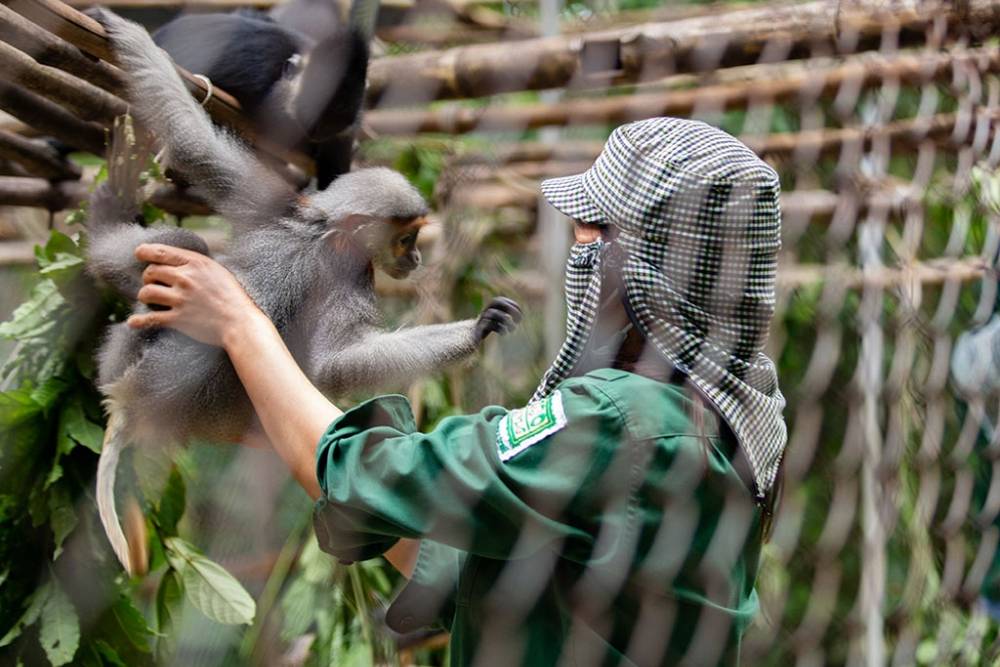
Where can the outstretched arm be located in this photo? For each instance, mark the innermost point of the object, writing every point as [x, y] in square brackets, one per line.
[236, 184]
[393, 359]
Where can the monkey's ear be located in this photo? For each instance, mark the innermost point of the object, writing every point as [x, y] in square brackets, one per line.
[353, 230]
[355, 224]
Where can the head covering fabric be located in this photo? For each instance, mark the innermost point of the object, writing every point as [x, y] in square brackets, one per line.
[699, 223]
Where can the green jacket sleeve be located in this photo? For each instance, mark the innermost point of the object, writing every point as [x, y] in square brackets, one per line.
[383, 480]
[430, 596]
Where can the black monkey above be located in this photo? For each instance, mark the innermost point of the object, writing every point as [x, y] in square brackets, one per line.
[301, 91]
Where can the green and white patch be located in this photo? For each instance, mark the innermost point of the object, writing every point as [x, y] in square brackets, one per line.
[522, 428]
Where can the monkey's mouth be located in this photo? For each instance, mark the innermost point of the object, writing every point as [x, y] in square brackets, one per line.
[398, 272]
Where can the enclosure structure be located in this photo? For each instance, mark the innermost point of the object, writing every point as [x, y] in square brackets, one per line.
[881, 119]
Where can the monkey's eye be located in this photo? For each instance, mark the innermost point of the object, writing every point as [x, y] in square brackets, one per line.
[407, 240]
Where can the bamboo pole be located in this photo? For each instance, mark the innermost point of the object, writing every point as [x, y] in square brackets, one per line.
[87, 34]
[531, 285]
[47, 49]
[654, 51]
[40, 193]
[37, 157]
[51, 119]
[797, 205]
[947, 128]
[86, 101]
[807, 85]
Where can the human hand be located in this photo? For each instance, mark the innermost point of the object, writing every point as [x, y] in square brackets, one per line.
[203, 299]
[502, 316]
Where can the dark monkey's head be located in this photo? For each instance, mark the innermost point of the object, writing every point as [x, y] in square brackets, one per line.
[376, 213]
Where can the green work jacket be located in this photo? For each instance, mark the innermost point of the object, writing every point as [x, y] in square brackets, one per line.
[607, 524]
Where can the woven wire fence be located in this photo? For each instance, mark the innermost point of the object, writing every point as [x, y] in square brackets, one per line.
[880, 119]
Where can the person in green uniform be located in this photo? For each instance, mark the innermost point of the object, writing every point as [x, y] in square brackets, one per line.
[617, 518]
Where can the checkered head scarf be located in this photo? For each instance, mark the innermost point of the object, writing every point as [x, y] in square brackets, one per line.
[699, 232]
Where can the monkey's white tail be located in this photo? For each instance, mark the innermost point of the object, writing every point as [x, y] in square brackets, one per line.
[107, 468]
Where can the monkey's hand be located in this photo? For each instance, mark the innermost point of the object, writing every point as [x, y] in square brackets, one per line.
[502, 316]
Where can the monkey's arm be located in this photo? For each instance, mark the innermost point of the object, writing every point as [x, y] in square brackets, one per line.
[112, 232]
[236, 184]
[393, 359]
[388, 360]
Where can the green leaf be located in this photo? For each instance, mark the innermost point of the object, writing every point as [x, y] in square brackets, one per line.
[49, 392]
[168, 602]
[79, 429]
[298, 608]
[152, 214]
[108, 654]
[30, 615]
[60, 629]
[62, 517]
[77, 216]
[55, 474]
[38, 504]
[170, 509]
[102, 174]
[17, 406]
[8, 506]
[35, 316]
[209, 587]
[317, 567]
[58, 247]
[63, 268]
[133, 623]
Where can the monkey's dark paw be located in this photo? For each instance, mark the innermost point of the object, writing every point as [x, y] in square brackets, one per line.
[501, 316]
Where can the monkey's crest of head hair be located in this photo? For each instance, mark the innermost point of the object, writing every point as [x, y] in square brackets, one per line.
[376, 192]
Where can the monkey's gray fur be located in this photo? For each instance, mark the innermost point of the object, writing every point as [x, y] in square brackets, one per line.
[163, 387]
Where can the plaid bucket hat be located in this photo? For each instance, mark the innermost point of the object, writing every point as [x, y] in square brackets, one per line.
[699, 223]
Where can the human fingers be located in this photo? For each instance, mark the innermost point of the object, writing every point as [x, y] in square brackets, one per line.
[160, 273]
[165, 254]
[157, 318]
[159, 295]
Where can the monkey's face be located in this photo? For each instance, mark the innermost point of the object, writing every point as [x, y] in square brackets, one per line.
[400, 255]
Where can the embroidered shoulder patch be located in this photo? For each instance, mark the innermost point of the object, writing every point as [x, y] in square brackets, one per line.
[521, 428]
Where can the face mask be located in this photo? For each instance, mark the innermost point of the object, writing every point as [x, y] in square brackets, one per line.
[583, 293]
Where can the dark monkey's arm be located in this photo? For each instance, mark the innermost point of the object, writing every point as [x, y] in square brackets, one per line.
[236, 184]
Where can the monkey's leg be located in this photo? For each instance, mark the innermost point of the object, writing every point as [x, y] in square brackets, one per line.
[236, 184]
[111, 254]
[107, 466]
[393, 359]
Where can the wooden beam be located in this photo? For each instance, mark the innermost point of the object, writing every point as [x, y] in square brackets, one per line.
[87, 34]
[797, 206]
[931, 272]
[51, 119]
[806, 86]
[531, 285]
[37, 157]
[86, 101]
[47, 49]
[951, 129]
[653, 51]
[40, 193]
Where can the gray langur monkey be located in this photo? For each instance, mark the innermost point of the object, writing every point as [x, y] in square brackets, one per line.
[307, 262]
